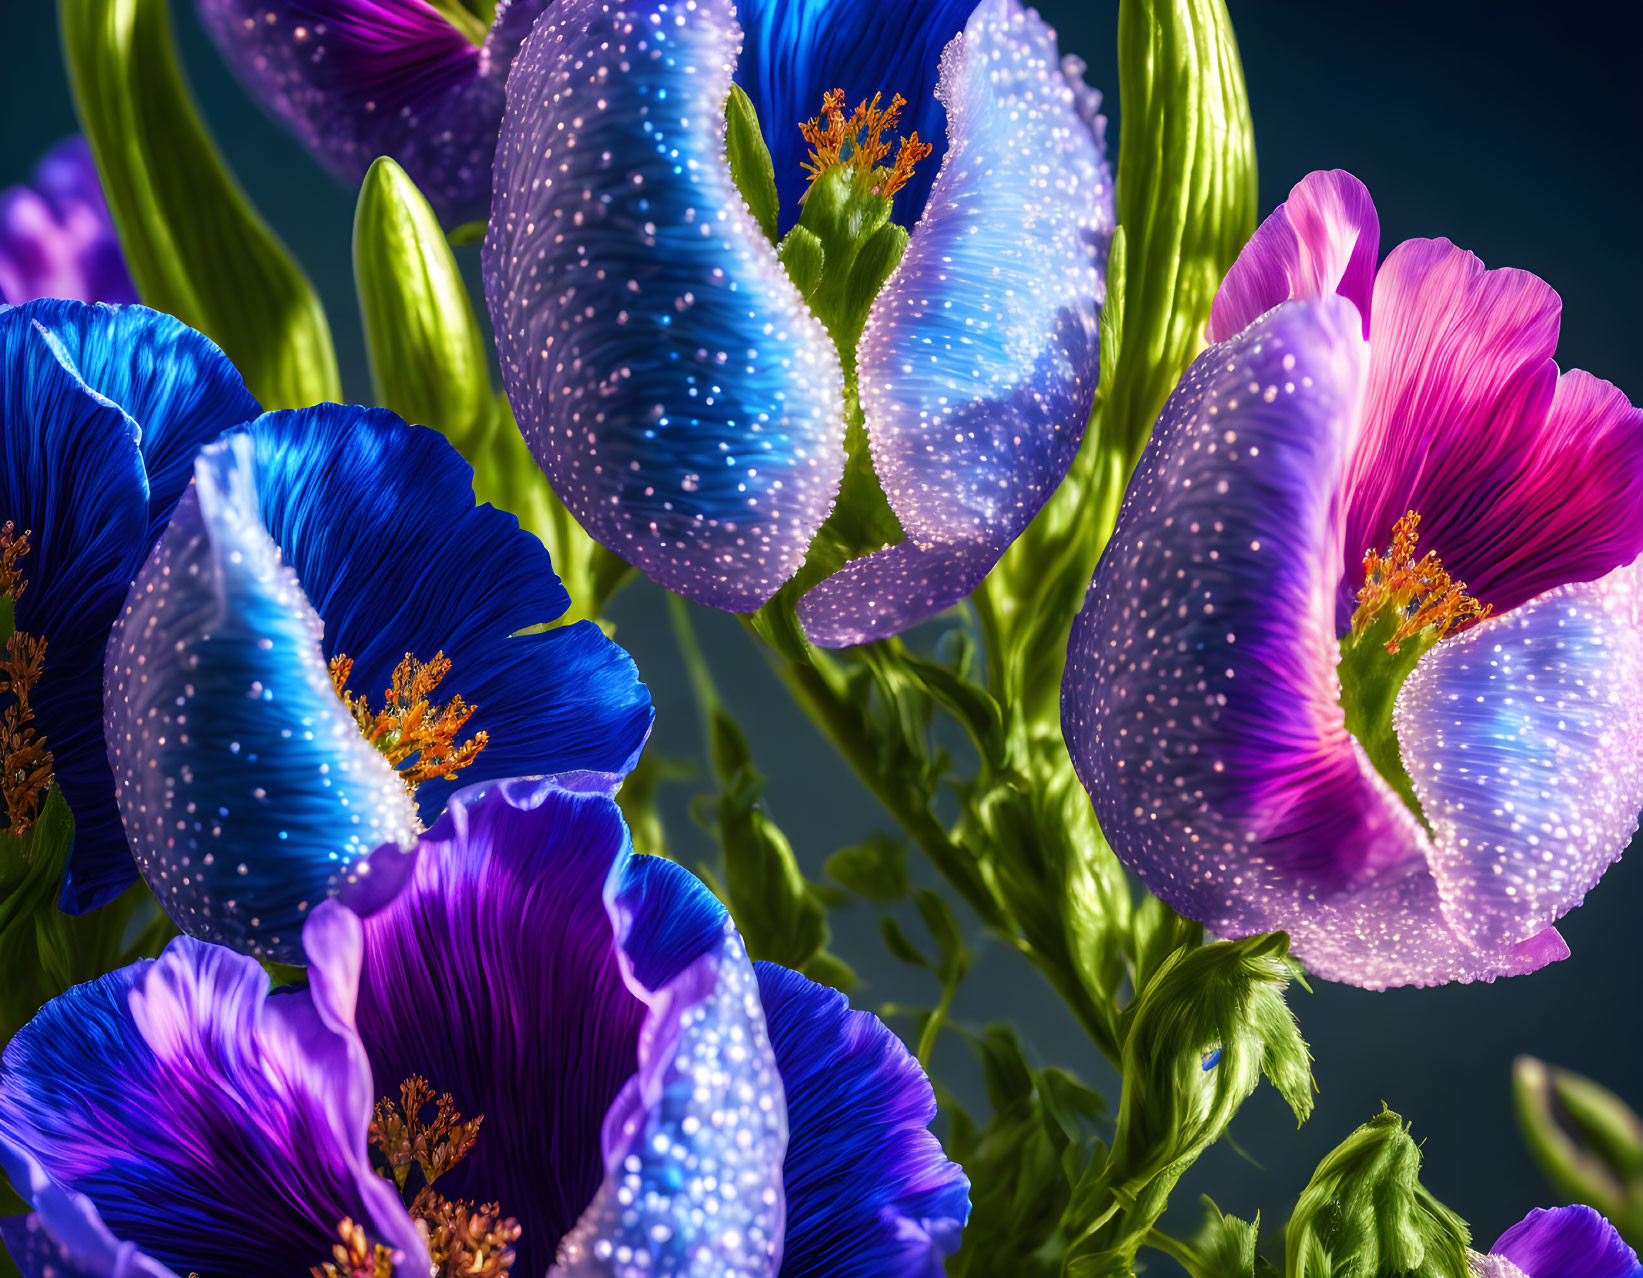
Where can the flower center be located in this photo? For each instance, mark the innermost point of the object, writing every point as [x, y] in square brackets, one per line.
[462, 1240]
[25, 763]
[1405, 606]
[856, 142]
[414, 733]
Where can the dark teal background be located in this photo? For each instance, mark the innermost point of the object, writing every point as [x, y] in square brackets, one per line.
[1510, 128]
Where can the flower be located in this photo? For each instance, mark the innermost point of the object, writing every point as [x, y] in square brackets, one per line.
[1558, 1242]
[327, 640]
[689, 385]
[101, 412]
[57, 237]
[419, 80]
[554, 1026]
[1362, 660]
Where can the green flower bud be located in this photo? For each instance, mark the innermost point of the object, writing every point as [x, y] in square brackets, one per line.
[1587, 1142]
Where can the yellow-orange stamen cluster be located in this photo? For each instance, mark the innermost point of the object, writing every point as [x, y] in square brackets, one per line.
[858, 141]
[26, 762]
[1420, 590]
[405, 1140]
[355, 1256]
[410, 725]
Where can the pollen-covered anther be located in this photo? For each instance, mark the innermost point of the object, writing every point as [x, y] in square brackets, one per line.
[415, 734]
[26, 762]
[858, 141]
[1419, 592]
[463, 1239]
[13, 546]
[404, 1139]
[355, 1256]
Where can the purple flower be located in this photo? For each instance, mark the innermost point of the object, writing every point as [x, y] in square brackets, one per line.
[1559, 1242]
[642, 1085]
[688, 399]
[57, 237]
[419, 80]
[1280, 694]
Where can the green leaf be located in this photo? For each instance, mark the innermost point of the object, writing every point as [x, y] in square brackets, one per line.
[1587, 1142]
[195, 246]
[897, 942]
[1224, 1246]
[876, 869]
[750, 165]
[1365, 1213]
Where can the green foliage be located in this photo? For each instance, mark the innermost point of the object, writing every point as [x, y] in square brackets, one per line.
[1224, 1247]
[1587, 1142]
[195, 246]
[876, 869]
[1365, 1213]
[750, 165]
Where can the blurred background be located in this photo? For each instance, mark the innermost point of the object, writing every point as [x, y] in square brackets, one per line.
[1511, 128]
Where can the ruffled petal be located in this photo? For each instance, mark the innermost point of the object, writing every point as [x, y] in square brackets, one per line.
[355, 79]
[794, 51]
[246, 788]
[1522, 481]
[1322, 240]
[1524, 738]
[63, 1237]
[1567, 1242]
[1200, 703]
[102, 408]
[216, 1127]
[682, 399]
[57, 237]
[980, 359]
[496, 975]
[869, 1192]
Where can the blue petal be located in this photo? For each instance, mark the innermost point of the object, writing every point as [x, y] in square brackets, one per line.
[869, 1192]
[64, 1237]
[1567, 1242]
[217, 1128]
[1523, 736]
[669, 378]
[981, 356]
[246, 787]
[497, 975]
[794, 51]
[102, 410]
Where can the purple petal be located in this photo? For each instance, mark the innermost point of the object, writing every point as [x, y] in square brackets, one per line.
[869, 1191]
[63, 1237]
[1523, 480]
[216, 1127]
[355, 79]
[1567, 1242]
[57, 237]
[668, 376]
[1200, 703]
[980, 359]
[1322, 240]
[1524, 738]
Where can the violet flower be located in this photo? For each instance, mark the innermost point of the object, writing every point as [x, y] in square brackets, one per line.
[57, 236]
[1559, 1242]
[686, 382]
[1363, 660]
[629, 1091]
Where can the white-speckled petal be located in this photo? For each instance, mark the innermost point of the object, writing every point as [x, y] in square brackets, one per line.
[981, 356]
[668, 376]
[245, 787]
[1524, 738]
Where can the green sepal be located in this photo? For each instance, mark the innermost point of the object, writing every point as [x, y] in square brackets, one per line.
[194, 244]
[1587, 1142]
[467, 16]
[1223, 1247]
[1370, 679]
[803, 257]
[876, 869]
[1365, 1213]
[750, 164]
[426, 347]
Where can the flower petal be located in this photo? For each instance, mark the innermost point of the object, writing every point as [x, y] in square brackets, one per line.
[63, 1237]
[684, 402]
[102, 408]
[1524, 738]
[980, 359]
[869, 1191]
[1523, 481]
[57, 237]
[797, 50]
[218, 1128]
[246, 788]
[1567, 1242]
[355, 79]
[1322, 240]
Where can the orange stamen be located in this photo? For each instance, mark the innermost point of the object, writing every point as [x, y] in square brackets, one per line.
[858, 141]
[26, 766]
[410, 724]
[1420, 590]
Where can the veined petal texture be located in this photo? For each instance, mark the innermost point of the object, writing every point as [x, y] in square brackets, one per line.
[1565, 1242]
[668, 376]
[980, 359]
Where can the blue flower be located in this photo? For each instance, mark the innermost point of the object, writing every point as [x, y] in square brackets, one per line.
[1559, 1242]
[101, 412]
[687, 383]
[618, 1079]
[328, 631]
